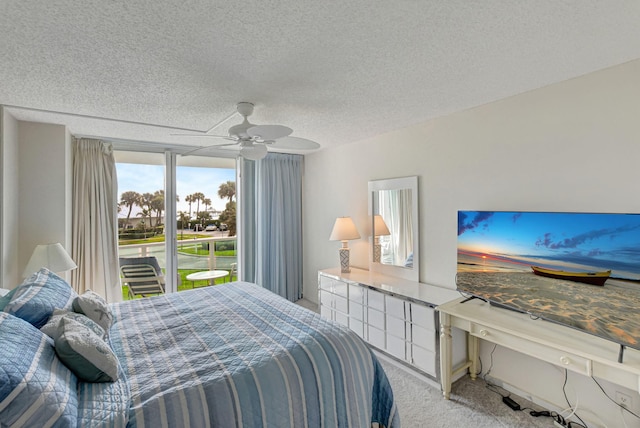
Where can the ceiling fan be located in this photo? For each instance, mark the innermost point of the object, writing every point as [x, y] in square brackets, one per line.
[253, 140]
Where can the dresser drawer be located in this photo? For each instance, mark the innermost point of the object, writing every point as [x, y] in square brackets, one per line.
[396, 347]
[375, 300]
[424, 316]
[396, 327]
[394, 307]
[357, 326]
[423, 337]
[558, 357]
[326, 298]
[326, 311]
[375, 318]
[376, 337]
[356, 311]
[326, 283]
[341, 304]
[423, 359]
[356, 293]
[341, 318]
[341, 289]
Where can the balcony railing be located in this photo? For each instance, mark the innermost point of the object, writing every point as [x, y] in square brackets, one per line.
[194, 255]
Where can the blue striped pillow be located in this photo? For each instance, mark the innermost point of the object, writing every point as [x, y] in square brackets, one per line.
[39, 295]
[36, 389]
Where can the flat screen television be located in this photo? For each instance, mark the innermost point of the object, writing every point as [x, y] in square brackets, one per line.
[577, 269]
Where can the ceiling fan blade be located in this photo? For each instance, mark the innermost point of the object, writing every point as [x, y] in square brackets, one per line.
[295, 143]
[269, 132]
[202, 135]
[190, 152]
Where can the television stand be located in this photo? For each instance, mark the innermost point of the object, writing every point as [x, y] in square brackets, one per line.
[554, 343]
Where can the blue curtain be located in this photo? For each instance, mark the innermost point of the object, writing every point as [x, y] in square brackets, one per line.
[272, 223]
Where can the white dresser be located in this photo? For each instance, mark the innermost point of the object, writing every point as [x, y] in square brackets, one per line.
[394, 315]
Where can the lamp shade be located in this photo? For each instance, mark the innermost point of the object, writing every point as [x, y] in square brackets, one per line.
[51, 256]
[379, 226]
[344, 230]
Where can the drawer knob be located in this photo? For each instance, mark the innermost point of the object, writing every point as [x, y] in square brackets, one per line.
[484, 333]
[565, 360]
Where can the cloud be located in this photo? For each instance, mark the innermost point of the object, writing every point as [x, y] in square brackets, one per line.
[545, 241]
[481, 216]
[575, 241]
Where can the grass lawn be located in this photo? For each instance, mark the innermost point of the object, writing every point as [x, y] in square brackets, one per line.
[160, 238]
[185, 284]
[193, 248]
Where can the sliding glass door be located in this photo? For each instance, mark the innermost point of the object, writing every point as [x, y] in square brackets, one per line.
[176, 213]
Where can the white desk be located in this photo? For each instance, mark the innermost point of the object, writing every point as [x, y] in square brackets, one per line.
[556, 344]
[211, 275]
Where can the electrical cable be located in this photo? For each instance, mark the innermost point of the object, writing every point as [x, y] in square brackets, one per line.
[564, 391]
[612, 400]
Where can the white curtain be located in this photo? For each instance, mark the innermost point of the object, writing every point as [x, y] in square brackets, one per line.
[395, 208]
[95, 225]
[272, 205]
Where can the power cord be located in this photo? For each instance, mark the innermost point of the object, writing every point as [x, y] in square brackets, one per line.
[564, 391]
[612, 400]
[558, 420]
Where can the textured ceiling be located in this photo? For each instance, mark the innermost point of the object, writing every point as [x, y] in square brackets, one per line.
[334, 71]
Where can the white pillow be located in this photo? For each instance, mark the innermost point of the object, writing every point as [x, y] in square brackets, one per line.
[95, 307]
[51, 328]
[85, 353]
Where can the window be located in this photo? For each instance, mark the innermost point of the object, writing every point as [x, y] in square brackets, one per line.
[202, 238]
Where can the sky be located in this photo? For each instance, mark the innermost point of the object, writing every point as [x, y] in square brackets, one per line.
[574, 241]
[150, 178]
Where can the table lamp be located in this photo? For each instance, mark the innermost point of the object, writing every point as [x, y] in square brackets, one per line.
[344, 230]
[379, 229]
[51, 256]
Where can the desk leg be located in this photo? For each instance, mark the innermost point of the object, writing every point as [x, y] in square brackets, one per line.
[473, 346]
[445, 354]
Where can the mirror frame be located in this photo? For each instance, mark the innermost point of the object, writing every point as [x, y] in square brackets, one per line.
[412, 274]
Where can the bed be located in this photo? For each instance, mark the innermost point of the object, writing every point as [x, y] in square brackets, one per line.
[233, 355]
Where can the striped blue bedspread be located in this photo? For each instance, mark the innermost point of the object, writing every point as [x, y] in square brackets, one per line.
[237, 355]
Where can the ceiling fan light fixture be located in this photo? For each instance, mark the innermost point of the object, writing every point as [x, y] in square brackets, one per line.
[253, 151]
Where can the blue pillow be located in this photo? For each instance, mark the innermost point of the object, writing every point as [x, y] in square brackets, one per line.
[39, 295]
[36, 389]
[4, 300]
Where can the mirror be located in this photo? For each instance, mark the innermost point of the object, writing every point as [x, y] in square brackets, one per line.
[393, 213]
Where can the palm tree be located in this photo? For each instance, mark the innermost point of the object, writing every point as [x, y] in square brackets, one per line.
[197, 197]
[207, 204]
[228, 217]
[157, 205]
[189, 199]
[129, 199]
[182, 218]
[227, 190]
[145, 204]
[144, 213]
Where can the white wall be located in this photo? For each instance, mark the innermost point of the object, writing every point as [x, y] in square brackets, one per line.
[9, 196]
[573, 146]
[44, 188]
